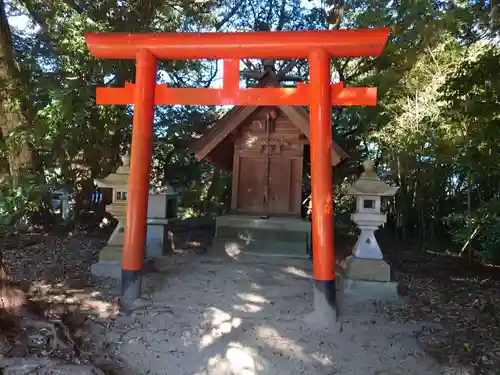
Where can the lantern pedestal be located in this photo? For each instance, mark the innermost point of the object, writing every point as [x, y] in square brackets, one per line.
[367, 269]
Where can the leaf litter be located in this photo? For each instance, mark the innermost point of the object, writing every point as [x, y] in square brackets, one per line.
[460, 304]
[49, 301]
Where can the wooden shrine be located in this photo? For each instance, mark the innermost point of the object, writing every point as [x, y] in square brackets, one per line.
[263, 147]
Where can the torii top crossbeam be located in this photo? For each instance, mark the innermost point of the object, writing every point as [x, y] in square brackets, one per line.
[276, 45]
[316, 46]
[232, 47]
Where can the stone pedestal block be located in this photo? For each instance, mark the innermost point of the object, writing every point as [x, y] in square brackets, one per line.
[158, 241]
[367, 269]
[162, 206]
[364, 280]
[353, 292]
[110, 260]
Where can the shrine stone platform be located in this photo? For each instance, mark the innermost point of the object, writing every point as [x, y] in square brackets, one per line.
[273, 236]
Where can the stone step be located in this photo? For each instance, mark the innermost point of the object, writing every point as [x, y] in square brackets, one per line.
[271, 248]
[261, 234]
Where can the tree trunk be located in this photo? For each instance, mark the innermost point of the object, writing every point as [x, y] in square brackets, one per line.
[334, 12]
[211, 190]
[11, 116]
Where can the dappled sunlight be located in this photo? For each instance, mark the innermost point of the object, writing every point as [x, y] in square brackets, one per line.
[217, 316]
[40, 287]
[287, 91]
[252, 297]
[296, 272]
[232, 249]
[219, 323]
[255, 286]
[322, 358]
[250, 140]
[241, 359]
[248, 308]
[101, 308]
[276, 340]
[237, 359]
[252, 303]
[230, 356]
[246, 236]
[88, 302]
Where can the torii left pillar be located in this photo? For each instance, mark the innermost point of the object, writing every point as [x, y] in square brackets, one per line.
[140, 165]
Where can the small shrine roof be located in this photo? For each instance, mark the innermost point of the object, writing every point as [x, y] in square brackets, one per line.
[216, 145]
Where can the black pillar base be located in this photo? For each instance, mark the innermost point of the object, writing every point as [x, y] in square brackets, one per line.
[325, 294]
[324, 316]
[131, 286]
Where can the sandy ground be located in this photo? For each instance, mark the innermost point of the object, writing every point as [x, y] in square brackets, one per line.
[215, 316]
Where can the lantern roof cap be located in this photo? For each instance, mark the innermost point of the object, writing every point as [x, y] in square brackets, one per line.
[369, 184]
[119, 179]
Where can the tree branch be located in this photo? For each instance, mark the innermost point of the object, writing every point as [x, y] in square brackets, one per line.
[282, 16]
[229, 15]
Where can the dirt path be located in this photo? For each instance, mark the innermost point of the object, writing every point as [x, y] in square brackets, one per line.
[208, 316]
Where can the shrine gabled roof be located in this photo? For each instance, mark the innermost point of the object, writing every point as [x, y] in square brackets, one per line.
[219, 133]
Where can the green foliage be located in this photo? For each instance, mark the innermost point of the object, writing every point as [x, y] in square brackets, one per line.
[471, 99]
[440, 143]
[482, 229]
[18, 205]
[75, 140]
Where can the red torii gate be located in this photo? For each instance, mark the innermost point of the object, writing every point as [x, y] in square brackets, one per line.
[316, 46]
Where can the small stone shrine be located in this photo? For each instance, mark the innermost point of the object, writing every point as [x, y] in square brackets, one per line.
[365, 271]
[162, 206]
[63, 204]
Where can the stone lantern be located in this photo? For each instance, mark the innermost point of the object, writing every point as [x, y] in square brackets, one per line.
[162, 207]
[366, 264]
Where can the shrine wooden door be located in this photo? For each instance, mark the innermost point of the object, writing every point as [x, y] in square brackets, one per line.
[267, 173]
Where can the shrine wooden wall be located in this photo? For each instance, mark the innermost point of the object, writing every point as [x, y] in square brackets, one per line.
[267, 166]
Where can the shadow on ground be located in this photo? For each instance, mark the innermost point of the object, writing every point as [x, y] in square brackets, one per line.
[213, 315]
